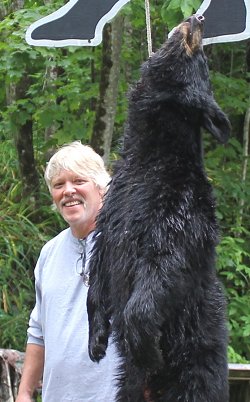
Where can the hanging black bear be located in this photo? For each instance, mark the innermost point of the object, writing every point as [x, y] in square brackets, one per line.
[153, 281]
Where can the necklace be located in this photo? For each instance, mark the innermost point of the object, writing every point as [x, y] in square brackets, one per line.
[81, 266]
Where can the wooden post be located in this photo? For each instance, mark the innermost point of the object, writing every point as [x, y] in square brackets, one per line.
[11, 362]
[239, 380]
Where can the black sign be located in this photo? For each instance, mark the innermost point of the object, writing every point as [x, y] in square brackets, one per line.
[77, 23]
[225, 20]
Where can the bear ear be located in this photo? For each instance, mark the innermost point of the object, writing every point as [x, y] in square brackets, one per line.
[217, 123]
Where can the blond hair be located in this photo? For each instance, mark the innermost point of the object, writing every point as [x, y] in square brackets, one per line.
[80, 159]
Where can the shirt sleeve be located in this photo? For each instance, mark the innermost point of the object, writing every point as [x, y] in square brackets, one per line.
[35, 333]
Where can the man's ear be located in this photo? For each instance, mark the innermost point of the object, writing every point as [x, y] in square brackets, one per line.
[217, 123]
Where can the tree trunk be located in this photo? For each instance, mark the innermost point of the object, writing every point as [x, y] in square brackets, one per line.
[23, 140]
[23, 135]
[51, 76]
[27, 165]
[106, 109]
[245, 160]
[10, 7]
[246, 134]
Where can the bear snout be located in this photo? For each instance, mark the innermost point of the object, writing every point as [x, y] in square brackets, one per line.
[192, 30]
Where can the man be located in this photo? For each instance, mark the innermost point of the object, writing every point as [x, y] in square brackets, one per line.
[57, 346]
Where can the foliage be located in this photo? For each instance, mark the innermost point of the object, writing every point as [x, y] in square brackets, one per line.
[56, 93]
[174, 11]
[233, 250]
[20, 242]
[59, 93]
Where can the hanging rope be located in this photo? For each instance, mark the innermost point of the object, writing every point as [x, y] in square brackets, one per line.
[148, 24]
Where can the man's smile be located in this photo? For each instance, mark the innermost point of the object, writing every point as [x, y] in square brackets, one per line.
[72, 203]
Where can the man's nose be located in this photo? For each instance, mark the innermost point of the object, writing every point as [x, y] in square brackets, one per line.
[69, 189]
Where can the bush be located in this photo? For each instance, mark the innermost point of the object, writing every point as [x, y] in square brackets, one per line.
[22, 236]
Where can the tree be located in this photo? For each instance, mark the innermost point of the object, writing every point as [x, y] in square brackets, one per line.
[22, 126]
[109, 80]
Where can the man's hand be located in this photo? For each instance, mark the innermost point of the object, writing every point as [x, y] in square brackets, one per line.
[32, 372]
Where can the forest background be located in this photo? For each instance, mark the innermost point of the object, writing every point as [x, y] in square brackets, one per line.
[51, 96]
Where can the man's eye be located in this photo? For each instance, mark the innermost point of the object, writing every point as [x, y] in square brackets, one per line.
[80, 181]
[57, 185]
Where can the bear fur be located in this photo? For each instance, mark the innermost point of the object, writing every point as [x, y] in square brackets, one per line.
[153, 281]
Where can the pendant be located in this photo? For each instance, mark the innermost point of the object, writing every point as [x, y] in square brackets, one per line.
[85, 279]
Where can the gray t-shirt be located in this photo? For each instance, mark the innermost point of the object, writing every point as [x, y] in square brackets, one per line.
[59, 321]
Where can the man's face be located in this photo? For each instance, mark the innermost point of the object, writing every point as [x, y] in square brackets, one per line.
[78, 200]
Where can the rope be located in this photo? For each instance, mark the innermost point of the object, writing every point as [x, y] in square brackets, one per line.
[148, 24]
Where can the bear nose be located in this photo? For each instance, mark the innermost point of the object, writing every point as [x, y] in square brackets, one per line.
[195, 18]
[200, 18]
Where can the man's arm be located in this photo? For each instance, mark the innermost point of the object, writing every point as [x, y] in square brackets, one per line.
[32, 372]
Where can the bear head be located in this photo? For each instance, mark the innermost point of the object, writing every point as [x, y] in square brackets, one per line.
[178, 74]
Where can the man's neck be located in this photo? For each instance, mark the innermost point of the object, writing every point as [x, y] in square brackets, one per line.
[82, 232]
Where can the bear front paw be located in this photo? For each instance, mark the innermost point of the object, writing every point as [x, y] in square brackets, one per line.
[97, 351]
[97, 347]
